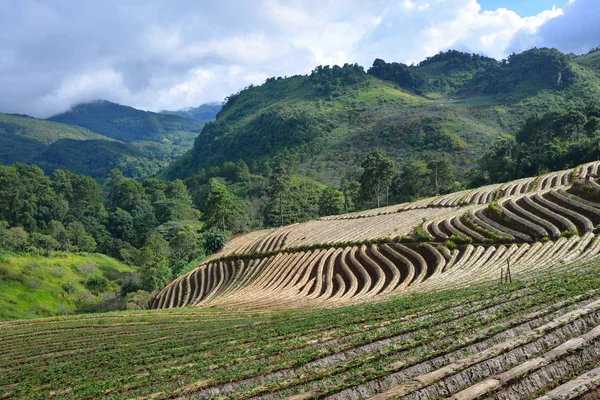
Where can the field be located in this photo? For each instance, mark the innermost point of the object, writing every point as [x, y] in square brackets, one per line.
[484, 294]
[525, 339]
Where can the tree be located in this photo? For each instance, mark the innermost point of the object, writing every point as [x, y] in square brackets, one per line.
[79, 238]
[154, 262]
[185, 245]
[58, 232]
[443, 176]
[214, 240]
[351, 191]
[378, 171]
[331, 202]
[219, 204]
[278, 187]
[411, 182]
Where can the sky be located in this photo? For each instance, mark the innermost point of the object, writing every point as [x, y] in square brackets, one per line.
[174, 54]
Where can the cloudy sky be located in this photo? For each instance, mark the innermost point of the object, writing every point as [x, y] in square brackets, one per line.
[173, 54]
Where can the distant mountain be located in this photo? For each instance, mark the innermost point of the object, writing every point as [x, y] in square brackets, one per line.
[129, 125]
[96, 158]
[455, 104]
[204, 113]
[137, 142]
[591, 59]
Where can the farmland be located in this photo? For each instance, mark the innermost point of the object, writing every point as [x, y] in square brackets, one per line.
[486, 293]
[454, 240]
[530, 337]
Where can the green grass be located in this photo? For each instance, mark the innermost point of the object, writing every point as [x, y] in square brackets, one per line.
[33, 286]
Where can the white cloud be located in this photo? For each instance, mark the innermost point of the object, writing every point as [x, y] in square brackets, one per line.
[148, 54]
[577, 30]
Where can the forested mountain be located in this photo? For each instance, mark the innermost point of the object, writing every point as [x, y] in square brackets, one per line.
[452, 105]
[91, 139]
[203, 113]
[130, 125]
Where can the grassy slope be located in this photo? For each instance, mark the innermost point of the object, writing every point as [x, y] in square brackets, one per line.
[44, 132]
[203, 113]
[34, 286]
[592, 59]
[53, 145]
[378, 113]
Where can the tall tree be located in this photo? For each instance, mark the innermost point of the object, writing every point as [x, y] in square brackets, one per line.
[331, 202]
[378, 171]
[411, 182]
[278, 187]
[219, 204]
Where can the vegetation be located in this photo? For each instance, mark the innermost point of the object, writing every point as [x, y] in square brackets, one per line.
[554, 140]
[299, 352]
[204, 113]
[139, 143]
[449, 107]
[152, 225]
[33, 286]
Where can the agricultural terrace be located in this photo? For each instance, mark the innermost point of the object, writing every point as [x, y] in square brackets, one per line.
[452, 241]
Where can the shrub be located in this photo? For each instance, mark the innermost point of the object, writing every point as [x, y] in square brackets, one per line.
[460, 240]
[96, 284]
[494, 208]
[568, 234]
[420, 235]
[214, 240]
[450, 244]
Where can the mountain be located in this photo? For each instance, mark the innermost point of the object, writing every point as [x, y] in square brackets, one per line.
[93, 138]
[53, 145]
[129, 125]
[21, 136]
[455, 104]
[204, 113]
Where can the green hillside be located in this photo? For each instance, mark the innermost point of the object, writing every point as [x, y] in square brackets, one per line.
[129, 125]
[62, 283]
[57, 145]
[53, 145]
[96, 158]
[44, 132]
[454, 104]
[591, 59]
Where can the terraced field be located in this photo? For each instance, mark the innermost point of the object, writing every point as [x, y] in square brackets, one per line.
[455, 240]
[488, 294]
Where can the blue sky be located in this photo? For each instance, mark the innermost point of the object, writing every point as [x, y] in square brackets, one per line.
[152, 55]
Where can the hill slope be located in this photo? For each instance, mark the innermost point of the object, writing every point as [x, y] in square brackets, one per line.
[36, 286]
[53, 145]
[453, 103]
[511, 315]
[534, 337]
[139, 143]
[128, 124]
